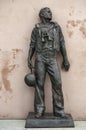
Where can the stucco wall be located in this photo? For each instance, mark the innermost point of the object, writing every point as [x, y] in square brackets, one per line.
[17, 18]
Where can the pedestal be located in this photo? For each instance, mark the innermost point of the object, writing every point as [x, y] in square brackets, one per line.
[48, 121]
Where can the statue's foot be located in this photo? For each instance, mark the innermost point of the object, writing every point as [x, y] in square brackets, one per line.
[38, 115]
[61, 115]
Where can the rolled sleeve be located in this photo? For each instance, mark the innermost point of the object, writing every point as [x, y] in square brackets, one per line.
[61, 37]
[33, 38]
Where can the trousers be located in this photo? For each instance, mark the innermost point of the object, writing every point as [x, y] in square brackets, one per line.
[43, 66]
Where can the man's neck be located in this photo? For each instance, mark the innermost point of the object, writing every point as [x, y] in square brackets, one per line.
[45, 21]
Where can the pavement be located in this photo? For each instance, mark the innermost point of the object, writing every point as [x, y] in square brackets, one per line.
[20, 124]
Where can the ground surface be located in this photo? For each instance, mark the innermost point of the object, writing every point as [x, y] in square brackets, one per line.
[19, 125]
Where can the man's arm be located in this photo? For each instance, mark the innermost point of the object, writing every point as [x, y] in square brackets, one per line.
[65, 63]
[32, 48]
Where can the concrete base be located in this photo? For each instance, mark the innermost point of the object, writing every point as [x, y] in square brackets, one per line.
[48, 121]
[19, 125]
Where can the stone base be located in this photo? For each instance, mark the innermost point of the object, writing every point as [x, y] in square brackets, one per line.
[48, 121]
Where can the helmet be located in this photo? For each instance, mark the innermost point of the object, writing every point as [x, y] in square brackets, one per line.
[30, 80]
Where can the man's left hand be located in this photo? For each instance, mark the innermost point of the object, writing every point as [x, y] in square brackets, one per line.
[66, 65]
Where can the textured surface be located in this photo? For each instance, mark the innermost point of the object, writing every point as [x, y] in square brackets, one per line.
[17, 18]
[48, 121]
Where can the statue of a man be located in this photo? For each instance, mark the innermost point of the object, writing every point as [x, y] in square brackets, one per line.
[47, 41]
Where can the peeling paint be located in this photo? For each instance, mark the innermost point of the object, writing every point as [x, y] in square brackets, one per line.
[71, 11]
[14, 55]
[15, 52]
[70, 33]
[12, 67]
[83, 30]
[84, 20]
[5, 71]
[72, 23]
[4, 116]
[76, 23]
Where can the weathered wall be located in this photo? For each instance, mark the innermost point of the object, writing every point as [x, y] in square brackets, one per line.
[17, 18]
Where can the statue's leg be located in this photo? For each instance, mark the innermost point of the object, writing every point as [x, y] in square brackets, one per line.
[40, 73]
[58, 101]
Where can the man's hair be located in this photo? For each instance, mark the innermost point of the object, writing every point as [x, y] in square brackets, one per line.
[45, 13]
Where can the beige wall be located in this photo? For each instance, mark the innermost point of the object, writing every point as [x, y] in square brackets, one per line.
[17, 18]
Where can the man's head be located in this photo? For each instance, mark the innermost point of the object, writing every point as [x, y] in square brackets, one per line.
[45, 13]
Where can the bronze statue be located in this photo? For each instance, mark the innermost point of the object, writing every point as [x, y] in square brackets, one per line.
[47, 41]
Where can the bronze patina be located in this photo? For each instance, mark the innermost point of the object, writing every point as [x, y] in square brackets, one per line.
[47, 41]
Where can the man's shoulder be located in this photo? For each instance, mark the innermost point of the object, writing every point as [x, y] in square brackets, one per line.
[55, 24]
[37, 25]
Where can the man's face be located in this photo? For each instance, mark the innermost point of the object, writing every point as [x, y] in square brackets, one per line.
[46, 13]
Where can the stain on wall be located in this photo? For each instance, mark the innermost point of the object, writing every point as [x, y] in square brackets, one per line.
[83, 31]
[15, 52]
[4, 116]
[6, 70]
[75, 23]
[70, 33]
[8, 66]
[72, 23]
[80, 25]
